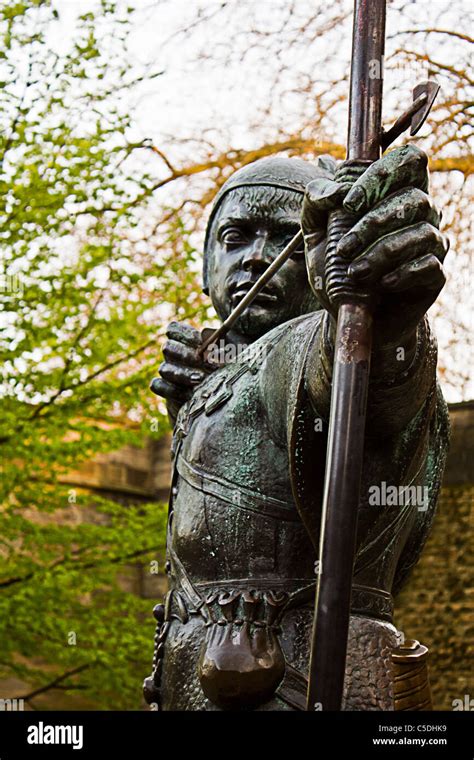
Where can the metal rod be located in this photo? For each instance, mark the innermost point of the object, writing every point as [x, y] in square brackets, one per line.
[349, 387]
[366, 84]
[340, 508]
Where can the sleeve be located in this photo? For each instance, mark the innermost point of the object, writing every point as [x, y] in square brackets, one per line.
[405, 448]
[395, 395]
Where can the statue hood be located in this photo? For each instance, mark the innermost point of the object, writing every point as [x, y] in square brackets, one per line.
[285, 173]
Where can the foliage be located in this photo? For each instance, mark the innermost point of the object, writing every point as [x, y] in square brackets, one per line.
[79, 345]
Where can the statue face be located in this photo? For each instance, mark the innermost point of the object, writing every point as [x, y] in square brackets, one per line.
[251, 227]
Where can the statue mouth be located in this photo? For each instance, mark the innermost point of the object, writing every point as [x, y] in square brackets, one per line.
[239, 291]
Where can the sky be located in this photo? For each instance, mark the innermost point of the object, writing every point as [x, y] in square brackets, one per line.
[231, 98]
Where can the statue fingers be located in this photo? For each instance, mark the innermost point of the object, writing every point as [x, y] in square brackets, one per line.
[403, 167]
[399, 210]
[426, 274]
[176, 352]
[169, 391]
[393, 250]
[322, 195]
[184, 333]
[188, 377]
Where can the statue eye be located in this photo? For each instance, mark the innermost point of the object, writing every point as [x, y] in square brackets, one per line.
[233, 236]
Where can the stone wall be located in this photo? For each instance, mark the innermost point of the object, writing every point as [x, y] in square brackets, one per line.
[437, 606]
[131, 475]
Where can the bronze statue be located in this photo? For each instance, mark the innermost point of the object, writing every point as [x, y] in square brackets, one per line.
[250, 435]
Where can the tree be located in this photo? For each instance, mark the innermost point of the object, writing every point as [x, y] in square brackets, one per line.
[79, 345]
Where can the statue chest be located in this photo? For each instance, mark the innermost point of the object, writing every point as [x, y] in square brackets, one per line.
[224, 431]
[233, 510]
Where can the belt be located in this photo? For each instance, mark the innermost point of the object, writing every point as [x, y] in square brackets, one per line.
[365, 600]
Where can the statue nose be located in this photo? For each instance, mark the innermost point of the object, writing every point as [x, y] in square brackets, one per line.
[257, 256]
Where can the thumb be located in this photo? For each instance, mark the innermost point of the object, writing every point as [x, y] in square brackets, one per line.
[321, 196]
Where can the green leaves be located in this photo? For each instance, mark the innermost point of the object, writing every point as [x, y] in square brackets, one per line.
[80, 340]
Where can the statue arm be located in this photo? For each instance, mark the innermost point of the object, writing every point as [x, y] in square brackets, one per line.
[406, 441]
[402, 376]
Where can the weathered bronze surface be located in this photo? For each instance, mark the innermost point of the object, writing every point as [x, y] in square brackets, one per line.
[250, 438]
